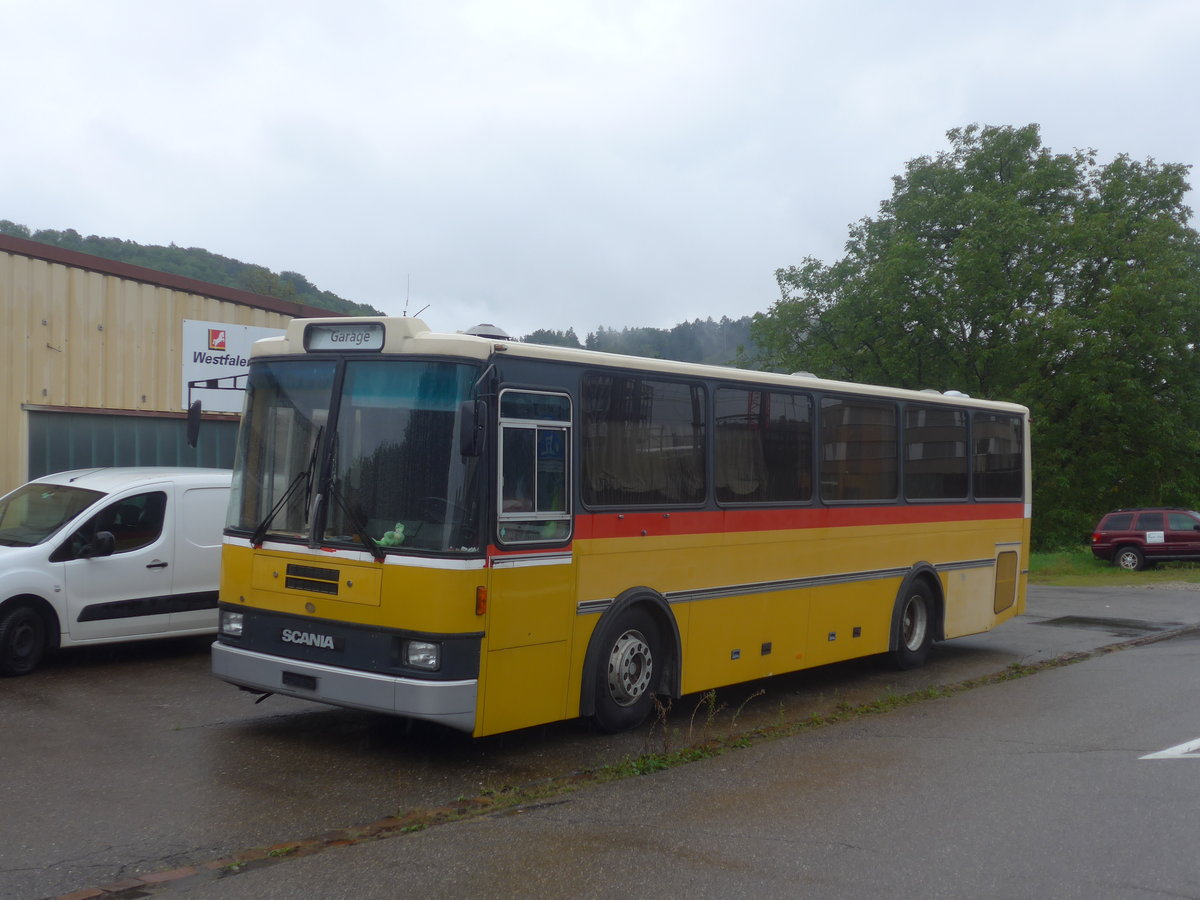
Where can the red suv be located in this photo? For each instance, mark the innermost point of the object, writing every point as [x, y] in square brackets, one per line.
[1136, 538]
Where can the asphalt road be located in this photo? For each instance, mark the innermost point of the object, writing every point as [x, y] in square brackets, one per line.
[1032, 788]
[126, 765]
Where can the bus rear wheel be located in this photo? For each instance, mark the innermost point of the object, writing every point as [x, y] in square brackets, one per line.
[914, 634]
[625, 676]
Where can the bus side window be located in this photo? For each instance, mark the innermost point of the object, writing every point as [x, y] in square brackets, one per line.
[520, 472]
[534, 437]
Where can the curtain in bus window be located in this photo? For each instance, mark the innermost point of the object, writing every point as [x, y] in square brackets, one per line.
[643, 441]
[935, 453]
[764, 442]
[858, 449]
[999, 464]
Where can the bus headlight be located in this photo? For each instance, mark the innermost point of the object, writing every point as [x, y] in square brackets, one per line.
[231, 623]
[423, 655]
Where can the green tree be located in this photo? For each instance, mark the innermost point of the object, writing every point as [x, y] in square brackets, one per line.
[7, 226]
[566, 338]
[1010, 272]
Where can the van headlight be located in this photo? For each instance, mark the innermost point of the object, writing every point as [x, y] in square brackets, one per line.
[423, 655]
[232, 623]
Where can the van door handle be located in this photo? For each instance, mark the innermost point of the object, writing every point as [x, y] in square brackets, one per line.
[157, 564]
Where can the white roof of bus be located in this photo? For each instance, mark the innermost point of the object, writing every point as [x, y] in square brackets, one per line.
[411, 335]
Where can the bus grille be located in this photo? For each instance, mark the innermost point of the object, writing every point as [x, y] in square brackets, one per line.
[312, 578]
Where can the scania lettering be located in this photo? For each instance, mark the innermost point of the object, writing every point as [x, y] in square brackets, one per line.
[308, 638]
[497, 534]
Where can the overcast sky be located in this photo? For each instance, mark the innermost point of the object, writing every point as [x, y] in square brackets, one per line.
[550, 163]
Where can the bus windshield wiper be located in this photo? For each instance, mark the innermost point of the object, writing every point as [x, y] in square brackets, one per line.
[359, 528]
[304, 477]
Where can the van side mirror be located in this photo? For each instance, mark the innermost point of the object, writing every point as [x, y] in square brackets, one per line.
[472, 414]
[193, 423]
[103, 544]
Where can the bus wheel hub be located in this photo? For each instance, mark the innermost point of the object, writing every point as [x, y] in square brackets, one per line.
[629, 668]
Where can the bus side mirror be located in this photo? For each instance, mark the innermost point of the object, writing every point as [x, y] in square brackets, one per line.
[193, 423]
[471, 416]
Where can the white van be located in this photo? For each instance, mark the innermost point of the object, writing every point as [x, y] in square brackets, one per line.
[113, 554]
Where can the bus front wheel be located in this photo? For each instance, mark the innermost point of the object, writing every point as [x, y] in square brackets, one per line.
[914, 635]
[625, 676]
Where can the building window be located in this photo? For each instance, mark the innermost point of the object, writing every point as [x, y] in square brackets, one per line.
[60, 440]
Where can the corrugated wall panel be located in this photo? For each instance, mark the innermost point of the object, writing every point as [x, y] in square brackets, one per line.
[14, 344]
[78, 338]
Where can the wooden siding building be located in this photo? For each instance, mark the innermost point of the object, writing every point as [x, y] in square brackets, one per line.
[93, 361]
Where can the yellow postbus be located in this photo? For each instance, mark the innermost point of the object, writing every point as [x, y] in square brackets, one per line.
[492, 534]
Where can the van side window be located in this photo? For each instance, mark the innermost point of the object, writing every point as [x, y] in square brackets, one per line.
[134, 522]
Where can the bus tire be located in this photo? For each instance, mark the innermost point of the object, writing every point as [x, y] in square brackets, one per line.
[22, 640]
[630, 651]
[914, 625]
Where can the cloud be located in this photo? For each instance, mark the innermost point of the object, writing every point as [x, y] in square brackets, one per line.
[549, 164]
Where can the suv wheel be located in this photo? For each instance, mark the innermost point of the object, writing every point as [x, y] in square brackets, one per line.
[1129, 558]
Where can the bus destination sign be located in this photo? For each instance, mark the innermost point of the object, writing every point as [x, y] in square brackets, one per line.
[327, 336]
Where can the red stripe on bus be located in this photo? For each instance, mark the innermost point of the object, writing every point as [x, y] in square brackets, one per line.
[607, 525]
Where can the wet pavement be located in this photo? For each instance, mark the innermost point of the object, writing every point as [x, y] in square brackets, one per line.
[169, 776]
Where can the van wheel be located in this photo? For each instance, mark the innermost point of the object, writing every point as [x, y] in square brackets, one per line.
[1130, 559]
[914, 634]
[625, 677]
[22, 640]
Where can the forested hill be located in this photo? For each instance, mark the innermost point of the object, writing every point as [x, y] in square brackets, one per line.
[193, 262]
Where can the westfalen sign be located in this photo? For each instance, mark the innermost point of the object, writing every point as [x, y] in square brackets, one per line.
[216, 360]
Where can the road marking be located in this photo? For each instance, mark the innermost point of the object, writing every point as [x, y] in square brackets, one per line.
[1190, 750]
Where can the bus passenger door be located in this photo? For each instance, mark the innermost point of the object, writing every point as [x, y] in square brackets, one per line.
[531, 586]
[529, 614]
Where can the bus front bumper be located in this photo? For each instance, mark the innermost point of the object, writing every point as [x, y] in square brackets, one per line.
[450, 703]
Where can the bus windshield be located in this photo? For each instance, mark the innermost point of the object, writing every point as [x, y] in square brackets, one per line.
[397, 479]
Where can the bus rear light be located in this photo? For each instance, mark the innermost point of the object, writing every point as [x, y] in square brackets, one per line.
[480, 600]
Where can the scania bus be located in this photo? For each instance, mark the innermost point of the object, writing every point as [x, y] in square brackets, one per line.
[493, 534]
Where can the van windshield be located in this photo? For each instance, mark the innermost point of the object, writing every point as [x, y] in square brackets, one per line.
[35, 511]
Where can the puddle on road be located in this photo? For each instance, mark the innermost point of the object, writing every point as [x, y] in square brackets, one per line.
[1116, 627]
